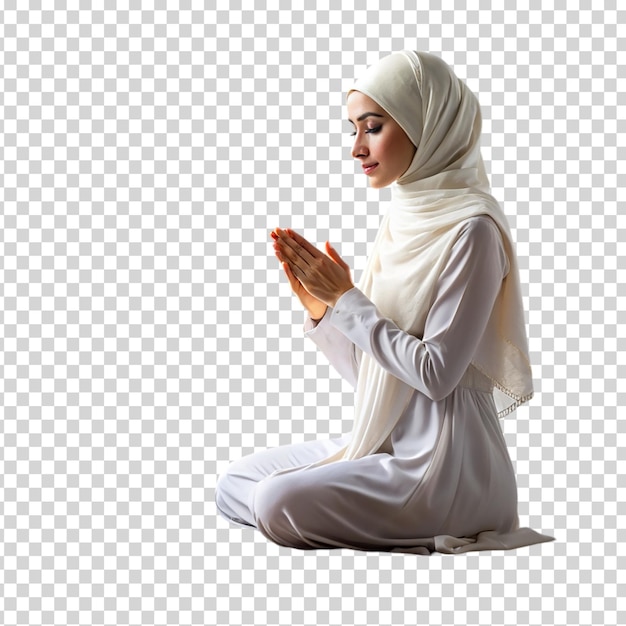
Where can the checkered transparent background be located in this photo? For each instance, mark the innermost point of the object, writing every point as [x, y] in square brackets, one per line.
[148, 337]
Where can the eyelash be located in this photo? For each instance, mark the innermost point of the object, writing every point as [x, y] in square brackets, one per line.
[371, 130]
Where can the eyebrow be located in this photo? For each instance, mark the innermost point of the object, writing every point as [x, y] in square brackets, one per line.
[364, 116]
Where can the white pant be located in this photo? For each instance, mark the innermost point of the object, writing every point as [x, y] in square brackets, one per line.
[237, 498]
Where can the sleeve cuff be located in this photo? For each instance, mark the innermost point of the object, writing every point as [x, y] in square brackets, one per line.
[351, 305]
[310, 326]
[353, 309]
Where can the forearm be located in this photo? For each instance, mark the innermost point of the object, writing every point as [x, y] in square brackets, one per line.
[408, 358]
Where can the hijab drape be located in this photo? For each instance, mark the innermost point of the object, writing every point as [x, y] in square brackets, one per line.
[444, 185]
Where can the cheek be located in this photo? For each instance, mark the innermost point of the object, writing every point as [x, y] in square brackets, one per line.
[407, 151]
[411, 150]
[385, 148]
[399, 147]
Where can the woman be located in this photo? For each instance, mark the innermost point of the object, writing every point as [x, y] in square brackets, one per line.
[433, 341]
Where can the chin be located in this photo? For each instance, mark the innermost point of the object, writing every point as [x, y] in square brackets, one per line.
[378, 184]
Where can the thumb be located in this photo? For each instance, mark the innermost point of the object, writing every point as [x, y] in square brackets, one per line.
[334, 255]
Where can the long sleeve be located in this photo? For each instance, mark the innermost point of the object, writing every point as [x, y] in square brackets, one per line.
[339, 349]
[465, 295]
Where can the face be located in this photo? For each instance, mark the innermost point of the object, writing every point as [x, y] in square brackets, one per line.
[380, 144]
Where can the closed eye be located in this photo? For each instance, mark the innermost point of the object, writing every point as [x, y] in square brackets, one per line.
[369, 130]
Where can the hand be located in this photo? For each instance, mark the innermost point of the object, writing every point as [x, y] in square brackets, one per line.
[315, 307]
[324, 277]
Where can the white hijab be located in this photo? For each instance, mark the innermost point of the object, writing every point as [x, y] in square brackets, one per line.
[444, 185]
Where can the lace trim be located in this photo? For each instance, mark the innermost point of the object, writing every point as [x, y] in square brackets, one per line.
[517, 399]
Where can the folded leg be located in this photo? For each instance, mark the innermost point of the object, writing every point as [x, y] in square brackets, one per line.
[235, 489]
[344, 504]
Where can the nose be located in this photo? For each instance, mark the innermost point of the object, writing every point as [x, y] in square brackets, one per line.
[359, 147]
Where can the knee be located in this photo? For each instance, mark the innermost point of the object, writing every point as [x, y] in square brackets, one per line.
[221, 487]
[269, 501]
[222, 496]
[278, 512]
[232, 493]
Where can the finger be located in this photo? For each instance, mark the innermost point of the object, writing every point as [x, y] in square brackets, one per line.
[300, 240]
[296, 252]
[334, 255]
[293, 281]
[278, 254]
[279, 247]
[288, 254]
[297, 273]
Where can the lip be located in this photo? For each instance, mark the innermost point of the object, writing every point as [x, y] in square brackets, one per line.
[369, 168]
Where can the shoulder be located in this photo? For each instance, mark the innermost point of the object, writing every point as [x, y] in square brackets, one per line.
[480, 235]
[481, 228]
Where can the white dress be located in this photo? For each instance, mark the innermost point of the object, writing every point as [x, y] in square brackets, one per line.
[443, 480]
